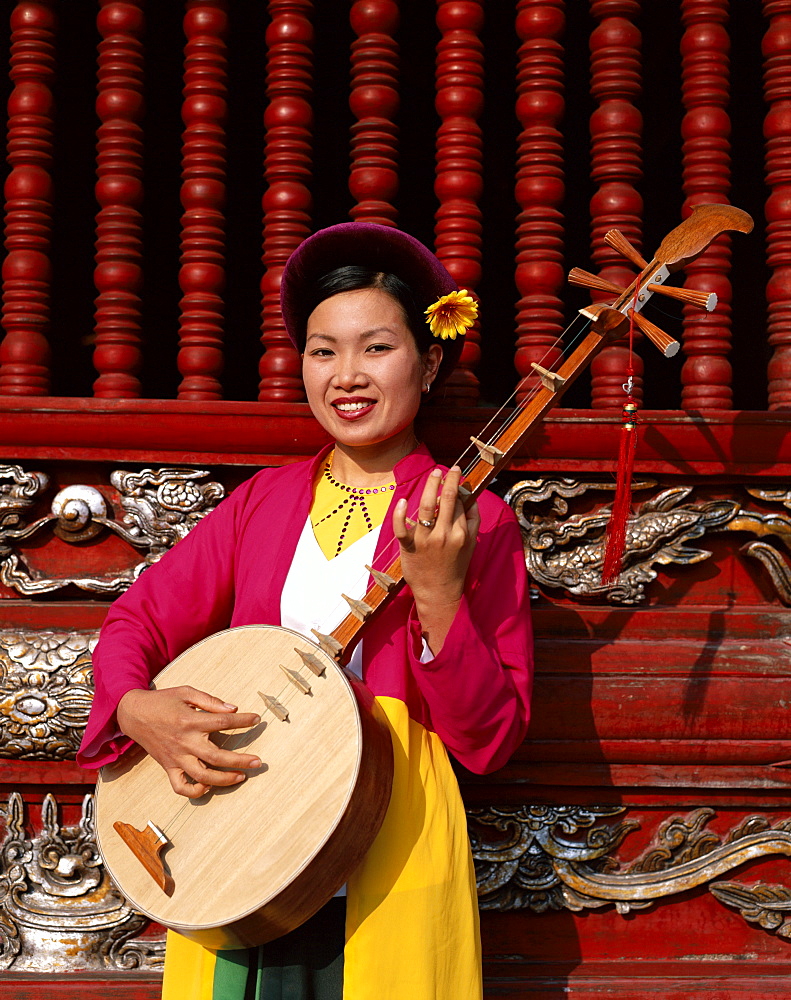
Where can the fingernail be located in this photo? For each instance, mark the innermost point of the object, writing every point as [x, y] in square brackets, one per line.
[256, 763]
[455, 468]
[401, 504]
[437, 472]
[229, 708]
[238, 780]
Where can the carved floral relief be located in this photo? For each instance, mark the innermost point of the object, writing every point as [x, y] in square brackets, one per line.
[46, 686]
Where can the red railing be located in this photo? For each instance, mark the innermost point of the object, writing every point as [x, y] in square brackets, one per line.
[505, 129]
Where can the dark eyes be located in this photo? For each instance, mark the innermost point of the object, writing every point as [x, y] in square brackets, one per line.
[326, 352]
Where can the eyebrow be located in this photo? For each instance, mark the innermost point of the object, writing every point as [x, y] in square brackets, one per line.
[367, 335]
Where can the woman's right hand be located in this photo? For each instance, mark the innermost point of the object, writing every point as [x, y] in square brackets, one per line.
[174, 725]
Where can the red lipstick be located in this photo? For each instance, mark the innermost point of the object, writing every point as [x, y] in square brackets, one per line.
[353, 414]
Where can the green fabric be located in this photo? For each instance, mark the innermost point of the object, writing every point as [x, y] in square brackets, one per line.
[230, 974]
[306, 964]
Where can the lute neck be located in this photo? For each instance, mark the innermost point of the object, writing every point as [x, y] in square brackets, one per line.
[609, 322]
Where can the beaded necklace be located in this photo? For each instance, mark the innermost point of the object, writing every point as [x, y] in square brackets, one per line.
[341, 514]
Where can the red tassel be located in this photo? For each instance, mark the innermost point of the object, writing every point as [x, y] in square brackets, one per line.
[615, 542]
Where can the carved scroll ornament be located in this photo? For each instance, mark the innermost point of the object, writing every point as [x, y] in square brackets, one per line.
[559, 857]
[772, 525]
[769, 906]
[59, 911]
[564, 550]
[160, 506]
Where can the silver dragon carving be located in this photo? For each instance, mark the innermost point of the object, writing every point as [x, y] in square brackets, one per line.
[59, 911]
[158, 507]
[560, 857]
[564, 550]
[46, 686]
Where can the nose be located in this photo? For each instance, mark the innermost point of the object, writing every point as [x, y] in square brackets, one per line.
[350, 371]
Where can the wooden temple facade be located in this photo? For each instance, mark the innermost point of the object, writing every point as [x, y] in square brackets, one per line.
[162, 161]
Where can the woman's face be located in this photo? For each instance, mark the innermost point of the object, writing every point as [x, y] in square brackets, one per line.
[363, 374]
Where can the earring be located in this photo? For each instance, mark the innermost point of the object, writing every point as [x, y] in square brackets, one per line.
[426, 387]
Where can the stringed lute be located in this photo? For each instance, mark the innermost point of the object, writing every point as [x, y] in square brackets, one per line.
[246, 864]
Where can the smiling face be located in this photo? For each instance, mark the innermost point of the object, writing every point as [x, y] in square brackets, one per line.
[363, 374]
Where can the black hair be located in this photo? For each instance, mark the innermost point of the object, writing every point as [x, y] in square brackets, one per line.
[354, 277]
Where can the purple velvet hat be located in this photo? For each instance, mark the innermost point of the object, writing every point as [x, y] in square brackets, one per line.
[368, 245]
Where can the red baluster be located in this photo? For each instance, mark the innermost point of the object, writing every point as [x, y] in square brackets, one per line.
[119, 191]
[287, 168]
[373, 181]
[616, 128]
[539, 187]
[459, 181]
[202, 274]
[777, 128]
[706, 375]
[24, 353]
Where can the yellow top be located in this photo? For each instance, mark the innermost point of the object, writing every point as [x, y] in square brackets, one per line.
[341, 514]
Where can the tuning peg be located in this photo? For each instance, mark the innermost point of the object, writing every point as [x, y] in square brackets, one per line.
[616, 239]
[587, 280]
[661, 340]
[706, 300]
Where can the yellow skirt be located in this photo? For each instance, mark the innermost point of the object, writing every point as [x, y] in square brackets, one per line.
[411, 916]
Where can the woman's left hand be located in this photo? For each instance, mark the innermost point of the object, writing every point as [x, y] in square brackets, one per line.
[436, 552]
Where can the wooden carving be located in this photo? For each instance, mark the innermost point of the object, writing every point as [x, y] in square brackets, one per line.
[287, 171]
[202, 274]
[24, 353]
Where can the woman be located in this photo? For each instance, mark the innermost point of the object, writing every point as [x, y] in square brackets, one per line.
[449, 660]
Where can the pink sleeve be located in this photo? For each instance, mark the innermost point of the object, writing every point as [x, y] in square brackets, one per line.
[179, 600]
[478, 686]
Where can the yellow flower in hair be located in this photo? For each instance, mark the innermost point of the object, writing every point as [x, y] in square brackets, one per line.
[453, 313]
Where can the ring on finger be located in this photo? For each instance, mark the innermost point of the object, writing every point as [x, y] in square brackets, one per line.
[427, 524]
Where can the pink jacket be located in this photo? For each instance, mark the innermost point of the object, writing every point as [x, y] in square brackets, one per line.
[230, 571]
